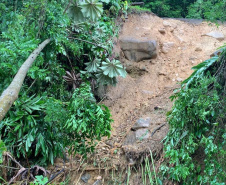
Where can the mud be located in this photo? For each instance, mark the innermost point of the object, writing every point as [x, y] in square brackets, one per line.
[144, 93]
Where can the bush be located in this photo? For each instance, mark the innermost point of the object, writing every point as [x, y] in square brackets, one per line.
[195, 144]
[88, 121]
[41, 128]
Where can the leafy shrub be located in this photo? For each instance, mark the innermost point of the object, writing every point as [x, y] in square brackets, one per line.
[35, 127]
[28, 133]
[2, 149]
[88, 121]
[41, 128]
[211, 10]
[195, 144]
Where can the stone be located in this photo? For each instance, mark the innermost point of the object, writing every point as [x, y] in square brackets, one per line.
[136, 50]
[166, 46]
[130, 138]
[216, 34]
[142, 134]
[180, 39]
[162, 31]
[100, 91]
[198, 49]
[171, 25]
[141, 123]
[85, 178]
[98, 182]
[179, 79]
[217, 53]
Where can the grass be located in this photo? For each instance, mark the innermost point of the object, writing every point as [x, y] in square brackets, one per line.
[147, 170]
[147, 173]
[138, 9]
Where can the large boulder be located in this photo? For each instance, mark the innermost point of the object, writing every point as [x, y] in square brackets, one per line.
[136, 50]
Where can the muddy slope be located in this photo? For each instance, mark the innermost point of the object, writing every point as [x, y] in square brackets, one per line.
[145, 93]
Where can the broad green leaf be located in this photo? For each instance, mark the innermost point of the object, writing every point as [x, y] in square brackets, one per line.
[113, 68]
[75, 12]
[93, 66]
[2, 149]
[92, 9]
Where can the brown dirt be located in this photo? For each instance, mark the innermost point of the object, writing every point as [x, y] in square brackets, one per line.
[145, 91]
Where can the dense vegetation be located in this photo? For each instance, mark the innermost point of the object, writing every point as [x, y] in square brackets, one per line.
[199, 9]
[195, 145]
[56, 107]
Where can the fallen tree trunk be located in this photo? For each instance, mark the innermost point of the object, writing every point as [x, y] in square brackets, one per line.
[10, 95]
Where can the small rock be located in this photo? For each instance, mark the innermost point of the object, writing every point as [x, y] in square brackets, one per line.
[217, 53]
[217, 35]
[157, 108]
[98, 182]
[169, 24]
[142, 134]
[166, 46]
[162, 31]
[179, 79]
[130, 139]
[141, 123]
[180, 39]
[98, 178]
[85, 178]
[147, 92]
[198, 49]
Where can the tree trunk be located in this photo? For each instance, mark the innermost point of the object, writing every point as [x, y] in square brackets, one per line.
[10, 95]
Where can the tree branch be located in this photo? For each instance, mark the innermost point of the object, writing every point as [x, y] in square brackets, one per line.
[10, 95]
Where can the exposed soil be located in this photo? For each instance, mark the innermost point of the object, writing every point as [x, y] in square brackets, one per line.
[145, 93]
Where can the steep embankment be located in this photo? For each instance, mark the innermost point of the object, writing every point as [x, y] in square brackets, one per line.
[145, 92]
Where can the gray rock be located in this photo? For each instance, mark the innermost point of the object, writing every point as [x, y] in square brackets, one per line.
[141, 123]
[142, 134]
[98, 182]
[171, 25]
[100, 91]
[166, 46]
[216, 34]
[130, 138]
[85, 178]
[217, 53]
[136, 50]
[147, 92]
[179, 79]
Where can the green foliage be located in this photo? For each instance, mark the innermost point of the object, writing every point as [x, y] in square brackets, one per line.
[195, 144]
[138, 9]
[81, 10]
[28, 133]
[35, 127]
[88, 121]
[107, 71]
[40, 180]
[2, 149]
[211, 10]
[208, 9]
